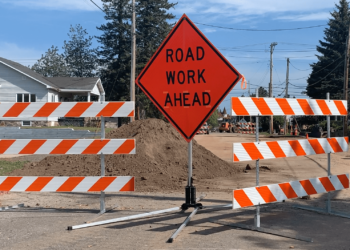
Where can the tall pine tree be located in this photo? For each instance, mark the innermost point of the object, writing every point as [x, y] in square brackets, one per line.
[114, 53]
[328, 73]
[152, 27]
[52, 64]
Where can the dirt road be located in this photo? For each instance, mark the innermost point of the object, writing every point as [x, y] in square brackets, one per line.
[43, 224]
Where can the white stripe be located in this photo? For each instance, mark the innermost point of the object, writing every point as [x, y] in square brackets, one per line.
[240, 152]
[118, 183]
[325, 145]
[333, 108]
[2, 178]
[4, 107]
[48, 146]
[293, 103]
[307, 147]
[343, 144]
[345, 103]
[234, 201]
[54, 184]
[24, 183]
[232, 111]
[277, 192]
[273, 105]
[112, 146]
[17, 147]
[124, 110]
[254, 195]
[264, 150]
[336, 182]
[249, 106]
[298, 188]
[31, 109]
[86, 184]
[79, 146]
[94, 109]
[286, 148]
[315, 107]
[316, 183]
[62, 109]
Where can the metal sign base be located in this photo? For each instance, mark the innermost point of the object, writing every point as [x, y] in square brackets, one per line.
[264, 230]
[323, 211]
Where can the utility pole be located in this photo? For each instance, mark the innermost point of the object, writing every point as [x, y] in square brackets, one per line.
[272, 47]
[286, 96]
[346, 81]
[133, 55]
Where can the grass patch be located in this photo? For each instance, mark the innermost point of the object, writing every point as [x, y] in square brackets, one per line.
[9, 166]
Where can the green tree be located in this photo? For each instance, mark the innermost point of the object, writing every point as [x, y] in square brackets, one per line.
[51, 64]
[328, 72]
[114, 52]
[213, 119]
[262, 92]
[80, 58]
[152, 27]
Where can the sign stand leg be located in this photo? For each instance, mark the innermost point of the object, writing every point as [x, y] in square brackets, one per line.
[257, 216]
[328, 209]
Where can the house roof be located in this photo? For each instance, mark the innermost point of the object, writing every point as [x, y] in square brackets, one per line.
[59, 83]
[81, 83]
[27, 71]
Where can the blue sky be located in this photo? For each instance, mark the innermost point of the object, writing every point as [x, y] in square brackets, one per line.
[30, 27]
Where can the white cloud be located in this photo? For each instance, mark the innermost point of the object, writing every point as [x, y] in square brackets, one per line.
[307, 17]
[83, 5]
[24, 56]
[209, 30]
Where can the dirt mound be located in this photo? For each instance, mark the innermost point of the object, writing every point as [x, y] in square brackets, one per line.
[160, 162]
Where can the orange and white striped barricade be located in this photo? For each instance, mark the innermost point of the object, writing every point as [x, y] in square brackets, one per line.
[255, 106]
[101, 146]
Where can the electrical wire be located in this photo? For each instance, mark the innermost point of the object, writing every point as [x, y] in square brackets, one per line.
[297, 68]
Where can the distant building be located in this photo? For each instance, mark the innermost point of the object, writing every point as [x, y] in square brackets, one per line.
[20, 84]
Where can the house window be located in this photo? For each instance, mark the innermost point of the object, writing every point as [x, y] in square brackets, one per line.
[26, 98]
[26, 123]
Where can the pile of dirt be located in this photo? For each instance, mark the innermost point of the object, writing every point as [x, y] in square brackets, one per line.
[160, 162]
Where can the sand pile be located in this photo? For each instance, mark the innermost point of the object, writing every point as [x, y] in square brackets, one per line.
[160, 162]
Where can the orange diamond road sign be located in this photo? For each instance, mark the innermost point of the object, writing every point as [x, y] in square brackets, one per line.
[187, 78]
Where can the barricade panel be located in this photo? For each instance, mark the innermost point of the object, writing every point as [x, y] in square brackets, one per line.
[253, 106]
[278, 192]
[66, 109]
[278, 149]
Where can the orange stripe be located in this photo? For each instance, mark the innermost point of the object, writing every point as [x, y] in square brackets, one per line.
[346, 139]
[235, 158]
[298, 149]
[5, 144]
[110, 109]
[324, 107]
[63, 147]
[284, 105]
[327, 184]
[39, 184]
[32, 147]
[276, 149]
[47, 109]
[304, 104]
[308, 187]
[78, 109]
[252, 150]
[341, 107]
[344, 180]
[288, 190]
[316, 145]
[241, 198]
[70, 184]
[126, 147]
[16, 109]
[262, 106]
[266, 194]
[102, 184]
[335, 145]
[95, 147]
[9, 183]
[130, 186]
[131, 114]
[238, 107]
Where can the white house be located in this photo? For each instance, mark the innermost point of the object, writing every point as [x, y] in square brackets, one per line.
[20, 84]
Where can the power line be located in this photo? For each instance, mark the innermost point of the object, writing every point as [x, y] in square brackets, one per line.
[97, 6]
[297, 68]
[229, 28]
